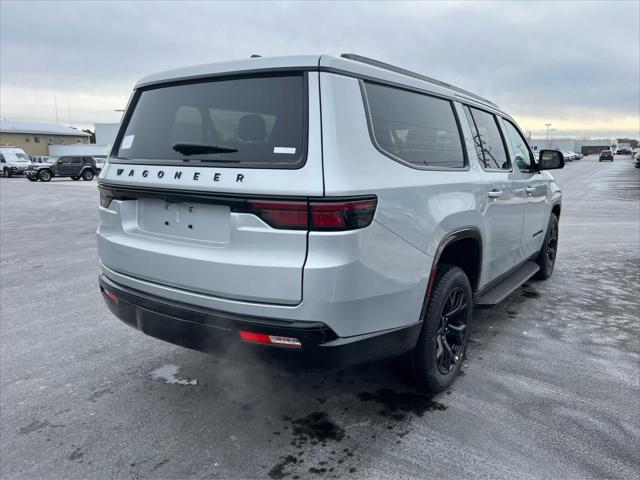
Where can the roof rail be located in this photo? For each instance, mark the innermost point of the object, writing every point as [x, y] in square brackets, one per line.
[409, 73]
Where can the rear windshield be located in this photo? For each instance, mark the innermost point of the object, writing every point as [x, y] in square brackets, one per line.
[249, 122]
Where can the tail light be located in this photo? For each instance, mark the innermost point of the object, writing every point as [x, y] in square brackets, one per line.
[106, 195]
[342, 215]
[281, 214]
[316, 215]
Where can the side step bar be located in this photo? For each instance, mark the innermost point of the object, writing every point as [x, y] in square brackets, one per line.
[507, 286]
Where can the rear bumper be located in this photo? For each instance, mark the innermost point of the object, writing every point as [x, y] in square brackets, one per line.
[215, 331]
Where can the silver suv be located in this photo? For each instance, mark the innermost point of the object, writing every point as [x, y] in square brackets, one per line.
[336, 210]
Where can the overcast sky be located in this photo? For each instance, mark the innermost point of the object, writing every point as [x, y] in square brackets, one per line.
[575, 65]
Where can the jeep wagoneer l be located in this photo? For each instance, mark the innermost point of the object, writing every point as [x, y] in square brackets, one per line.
[338, 209]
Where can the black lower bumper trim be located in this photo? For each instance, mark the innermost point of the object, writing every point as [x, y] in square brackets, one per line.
[217, 332]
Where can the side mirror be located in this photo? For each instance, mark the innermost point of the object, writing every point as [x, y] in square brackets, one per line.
[551, 160]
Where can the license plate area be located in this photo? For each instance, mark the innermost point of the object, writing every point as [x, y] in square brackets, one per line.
[187, 221]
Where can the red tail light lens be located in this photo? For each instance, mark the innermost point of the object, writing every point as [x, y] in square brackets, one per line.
[317, 215]
[281, 214]
[106, 195]
[342, 215]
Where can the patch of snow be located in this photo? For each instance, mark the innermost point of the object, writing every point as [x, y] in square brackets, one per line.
[168, 373]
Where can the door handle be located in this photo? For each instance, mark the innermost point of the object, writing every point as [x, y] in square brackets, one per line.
[530, 190]
[495, 193]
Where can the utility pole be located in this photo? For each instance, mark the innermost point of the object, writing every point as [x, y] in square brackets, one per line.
[548, 125]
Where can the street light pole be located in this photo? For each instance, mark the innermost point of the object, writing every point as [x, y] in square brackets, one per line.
[548, 125]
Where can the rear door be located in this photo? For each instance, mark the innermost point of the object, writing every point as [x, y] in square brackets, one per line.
[210, 182]
[77, 164]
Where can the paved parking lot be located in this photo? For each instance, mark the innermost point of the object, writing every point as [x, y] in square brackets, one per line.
[551, 388]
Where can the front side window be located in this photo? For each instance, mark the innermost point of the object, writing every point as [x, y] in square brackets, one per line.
[64, 160]
[76, 160]
[254, 122]
[488, 140]
[522, 155]
[413, 127]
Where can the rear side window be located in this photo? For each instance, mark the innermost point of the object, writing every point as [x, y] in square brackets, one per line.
[487, 140]
[413, 127]
[249, 122]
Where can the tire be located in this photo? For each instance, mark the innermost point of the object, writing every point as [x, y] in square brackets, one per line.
[75, 178]
[87, 175]
[45, 176]
[7, 172]
[547, 257]
[436, 360]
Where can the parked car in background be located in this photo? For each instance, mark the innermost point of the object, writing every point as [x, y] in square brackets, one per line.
[569, 156]
[576, 155]
[13, 161]
[636, 159]
[40, 160]
[257, 226]
[75, 167]
[623, 151]
[606, 155]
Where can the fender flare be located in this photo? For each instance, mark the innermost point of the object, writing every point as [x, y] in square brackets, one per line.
[449, 238]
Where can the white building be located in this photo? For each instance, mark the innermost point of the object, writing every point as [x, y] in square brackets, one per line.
[586, 147]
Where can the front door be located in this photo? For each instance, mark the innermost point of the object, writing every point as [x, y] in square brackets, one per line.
[64, 166]
[503, 210]
[531, 186]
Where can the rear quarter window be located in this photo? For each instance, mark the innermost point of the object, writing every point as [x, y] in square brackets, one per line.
[414, 128]
[258, 122]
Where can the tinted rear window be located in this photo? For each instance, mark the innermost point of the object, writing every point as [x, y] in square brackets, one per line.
[263, 118]
[415, 128]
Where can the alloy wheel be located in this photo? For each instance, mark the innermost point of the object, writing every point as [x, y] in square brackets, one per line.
[452, 332]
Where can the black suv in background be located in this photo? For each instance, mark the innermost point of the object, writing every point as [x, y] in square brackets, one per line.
[67, 166]
[606, 155]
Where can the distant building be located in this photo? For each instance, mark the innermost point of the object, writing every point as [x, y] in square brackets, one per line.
[586, 147]
[105, 136]
[35, 138]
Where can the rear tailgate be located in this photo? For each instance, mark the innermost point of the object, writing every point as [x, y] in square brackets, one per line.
[188, 220]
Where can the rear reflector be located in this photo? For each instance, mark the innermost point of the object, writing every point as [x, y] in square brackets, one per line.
[110, 295]
[270, 339]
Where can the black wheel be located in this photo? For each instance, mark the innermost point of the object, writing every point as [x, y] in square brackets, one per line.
[7, 172]
[44, 176]
[75, 178]
[435, 362]
[87, 175]
[547, 256]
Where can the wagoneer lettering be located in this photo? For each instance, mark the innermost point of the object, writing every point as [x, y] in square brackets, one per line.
[336, 210]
